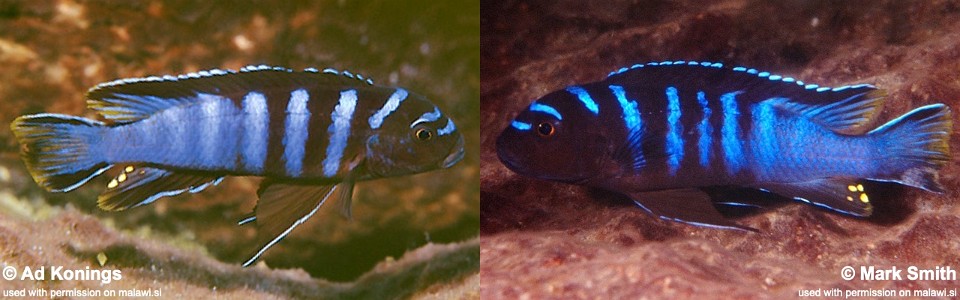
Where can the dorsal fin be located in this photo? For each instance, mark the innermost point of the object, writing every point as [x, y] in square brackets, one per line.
[847, 115]
[844, 109]
[131, 99]
[346, 73]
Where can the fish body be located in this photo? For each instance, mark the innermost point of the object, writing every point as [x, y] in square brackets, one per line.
[304, 132]
[659, 132]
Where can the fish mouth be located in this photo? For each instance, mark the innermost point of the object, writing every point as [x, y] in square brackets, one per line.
[507, 157]
[455, 156]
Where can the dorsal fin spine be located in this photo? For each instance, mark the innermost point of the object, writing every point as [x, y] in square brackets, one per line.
[219, 72]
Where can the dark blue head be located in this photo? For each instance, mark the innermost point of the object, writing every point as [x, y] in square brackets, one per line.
[559, 137]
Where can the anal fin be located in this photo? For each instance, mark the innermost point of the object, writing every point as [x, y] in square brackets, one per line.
[691, 206]
[138, 185]
[841, 194]
[281, 208]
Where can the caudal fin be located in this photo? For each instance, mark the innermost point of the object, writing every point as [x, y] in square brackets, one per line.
[61, 152]
[917, 145]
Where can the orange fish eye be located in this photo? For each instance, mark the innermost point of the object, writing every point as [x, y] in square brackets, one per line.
[424, 134]
[545, 129]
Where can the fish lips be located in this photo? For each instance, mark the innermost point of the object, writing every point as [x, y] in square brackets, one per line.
[507, 157]
[454, 156]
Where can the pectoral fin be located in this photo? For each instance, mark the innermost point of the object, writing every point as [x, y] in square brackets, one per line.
[283, 207]
[346, 187]
[346, 196]
[691, 206]
[845, 195]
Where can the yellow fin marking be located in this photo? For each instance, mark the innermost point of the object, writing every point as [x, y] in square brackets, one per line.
[852, 188]
[863, 198]
[102, 258]
[122, 177]
[128, 169]
[113, 183]
[849, 198]
[859, 187]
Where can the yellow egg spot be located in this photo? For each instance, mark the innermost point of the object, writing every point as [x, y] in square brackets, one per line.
[863, 198]
[852, 188]
[128, 169]
[849, 198]
[102, 258]
[122, 177]
[113, 183]
[860, 187]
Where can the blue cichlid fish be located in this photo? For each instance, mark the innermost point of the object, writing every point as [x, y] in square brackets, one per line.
[658, 132]
[304, 132]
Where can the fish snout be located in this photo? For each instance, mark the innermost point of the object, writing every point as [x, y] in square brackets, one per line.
[508, 157]
[455, 156]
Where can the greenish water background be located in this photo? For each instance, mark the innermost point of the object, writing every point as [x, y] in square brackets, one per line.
[51, 52]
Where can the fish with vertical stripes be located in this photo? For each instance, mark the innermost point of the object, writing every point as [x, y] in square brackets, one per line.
[305, 132]
[661, 132]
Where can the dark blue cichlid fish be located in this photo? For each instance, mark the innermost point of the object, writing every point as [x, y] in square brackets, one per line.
[304, 132]
[658, 132]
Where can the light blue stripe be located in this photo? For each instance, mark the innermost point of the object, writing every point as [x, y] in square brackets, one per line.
[376, 120]
[521, 125]
[256, 122]
[295, 132]
[631, 117]
[539, 107]
[450, 128]
[705, 144]
[211, 143]
[730, 139]
[339, 131]
[585, 98]
[765, 149]
[427, 117]
[674, 129]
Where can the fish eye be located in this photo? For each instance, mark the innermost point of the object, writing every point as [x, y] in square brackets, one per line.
[545, 129]
[424, 134]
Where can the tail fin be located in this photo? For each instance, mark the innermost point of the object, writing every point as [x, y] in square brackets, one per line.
[61, 152]
[917, 145]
